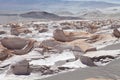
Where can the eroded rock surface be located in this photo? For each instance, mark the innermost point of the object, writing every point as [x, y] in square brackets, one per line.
[47, 49]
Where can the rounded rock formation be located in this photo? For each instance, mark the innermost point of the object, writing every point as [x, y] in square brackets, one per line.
[14, 43]
[59, 35]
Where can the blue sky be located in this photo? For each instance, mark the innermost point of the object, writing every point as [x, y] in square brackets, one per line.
[113, 1]
[31, 1]
[33, 4]
[36, 1]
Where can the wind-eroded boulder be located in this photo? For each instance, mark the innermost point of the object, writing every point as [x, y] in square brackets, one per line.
[20, 67]
[63, 36]
[18, 45]
[14, 43]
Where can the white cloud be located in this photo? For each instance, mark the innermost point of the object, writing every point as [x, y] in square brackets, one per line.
[114, 1]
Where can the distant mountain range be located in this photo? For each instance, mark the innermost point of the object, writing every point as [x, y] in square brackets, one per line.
[55, 9]
[45, 15]
[40, 15]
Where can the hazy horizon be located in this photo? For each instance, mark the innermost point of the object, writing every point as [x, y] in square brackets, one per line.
[47, 5]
